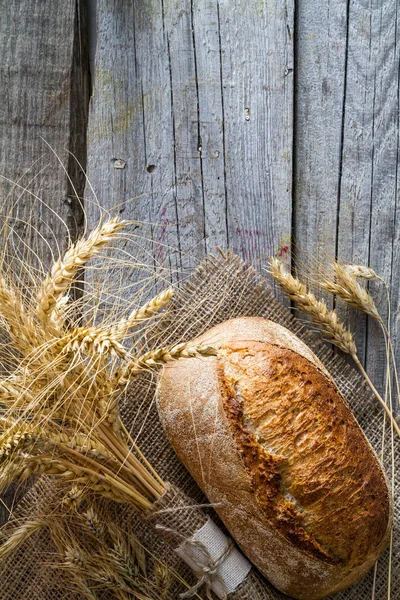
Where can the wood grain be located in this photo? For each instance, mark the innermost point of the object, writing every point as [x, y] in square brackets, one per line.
[198, 130]
[203, 112]
[207, 88]
[321, 50]
[368, 191]
[44, 94]
[346, 149]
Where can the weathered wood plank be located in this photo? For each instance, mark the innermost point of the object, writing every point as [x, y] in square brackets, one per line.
[44, 93]
[321, 40]
[206, 90]
[367, 215]
[208, 48]
[257, 88]
[131, 124]
[186, 116]
[346, 146]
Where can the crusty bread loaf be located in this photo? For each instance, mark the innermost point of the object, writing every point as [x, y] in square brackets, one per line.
[270, 440]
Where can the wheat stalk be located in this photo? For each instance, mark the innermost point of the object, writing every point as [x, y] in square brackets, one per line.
[333, 329]
[58, 315]
[160, 356]
[348, 289]
[63, 394]
[19, 536]
[65, 269]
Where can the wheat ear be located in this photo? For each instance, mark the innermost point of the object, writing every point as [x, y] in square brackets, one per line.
[160, 356]
[19, 536]
[21, 327]
[65, 269]
[332, 327]
[93, 341]
[118, 565]
[147, 311]
[103, 340]
[349, 290]
[360, 271]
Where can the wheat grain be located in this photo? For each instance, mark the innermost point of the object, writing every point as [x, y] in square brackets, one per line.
[361, 271]
[80, 442]
[15, 442]
[65, 269]
[93, 522]
[92, 340]
[73, 497]
[333, 329]
[23, 465]
[163, 579]
[13, 388]
[27, 466]
[59, 313]
[74, 558]
[146, 362]
[21, 438]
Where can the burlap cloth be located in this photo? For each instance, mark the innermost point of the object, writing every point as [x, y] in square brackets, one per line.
[220, 289]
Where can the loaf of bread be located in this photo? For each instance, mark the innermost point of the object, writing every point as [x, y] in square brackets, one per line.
[268, 437]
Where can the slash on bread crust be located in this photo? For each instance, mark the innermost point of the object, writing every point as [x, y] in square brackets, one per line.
[313, 475]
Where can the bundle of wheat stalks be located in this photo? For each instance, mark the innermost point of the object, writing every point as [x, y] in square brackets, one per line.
[99, 555]
[60, 403]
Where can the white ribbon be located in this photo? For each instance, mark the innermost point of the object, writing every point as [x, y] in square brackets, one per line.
[215, 560]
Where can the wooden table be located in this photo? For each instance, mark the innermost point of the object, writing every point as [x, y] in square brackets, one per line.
[248, 124]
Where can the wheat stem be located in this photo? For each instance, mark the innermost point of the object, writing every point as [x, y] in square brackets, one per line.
[376, 393]
[123, 453]
[148, 466]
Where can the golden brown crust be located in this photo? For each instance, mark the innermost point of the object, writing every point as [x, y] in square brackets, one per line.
[314, 476]
[194, 408]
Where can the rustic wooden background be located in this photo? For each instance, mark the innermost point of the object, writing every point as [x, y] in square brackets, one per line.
[249, 124]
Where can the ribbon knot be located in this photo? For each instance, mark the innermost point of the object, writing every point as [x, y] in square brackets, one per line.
[204, 566]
